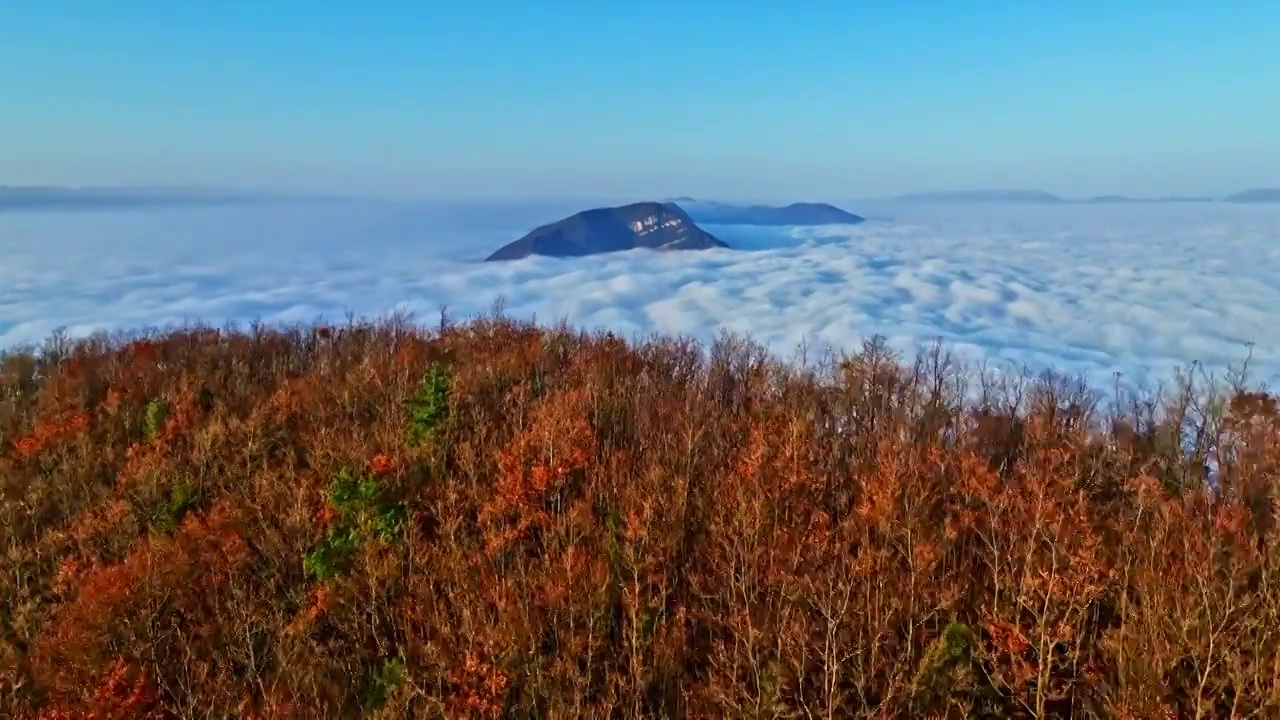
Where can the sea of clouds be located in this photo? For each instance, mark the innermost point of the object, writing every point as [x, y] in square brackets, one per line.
[1089, 289]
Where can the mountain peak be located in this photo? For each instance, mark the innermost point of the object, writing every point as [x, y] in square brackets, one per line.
[653, 225]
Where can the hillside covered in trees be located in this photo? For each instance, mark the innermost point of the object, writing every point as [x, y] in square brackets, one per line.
[499, 520]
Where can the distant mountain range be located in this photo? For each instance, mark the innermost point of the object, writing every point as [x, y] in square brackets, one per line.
[718, 213]
[66, 198]
[1040, 196]
[1257, 195]
[1102, 199]
[653, 225]
[37, 197]
[982, 196]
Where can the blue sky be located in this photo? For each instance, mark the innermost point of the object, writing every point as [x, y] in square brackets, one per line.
[819, 99]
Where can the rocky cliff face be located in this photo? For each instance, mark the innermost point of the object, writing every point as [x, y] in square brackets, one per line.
[657, 226]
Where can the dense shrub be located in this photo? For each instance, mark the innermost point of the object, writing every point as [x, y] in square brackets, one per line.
[500, 520]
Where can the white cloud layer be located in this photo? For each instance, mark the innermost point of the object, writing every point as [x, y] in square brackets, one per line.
[1137, 289]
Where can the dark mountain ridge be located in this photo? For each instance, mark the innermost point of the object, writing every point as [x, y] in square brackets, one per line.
[801, 213]
[1256, 195]
[652, 225]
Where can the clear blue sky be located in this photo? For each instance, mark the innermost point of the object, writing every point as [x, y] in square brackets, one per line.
[705, 97]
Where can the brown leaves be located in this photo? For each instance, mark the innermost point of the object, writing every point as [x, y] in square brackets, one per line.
[478, 689]
[610, 528]
[126, 693]
[150, 455]
[558, 442]
[383, 465]
[204, 552]
[60, 428]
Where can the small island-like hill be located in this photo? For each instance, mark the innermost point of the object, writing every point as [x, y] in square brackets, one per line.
[801, 213]
[652, 225]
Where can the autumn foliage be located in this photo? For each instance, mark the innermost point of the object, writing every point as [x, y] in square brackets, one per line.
[497, 520]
